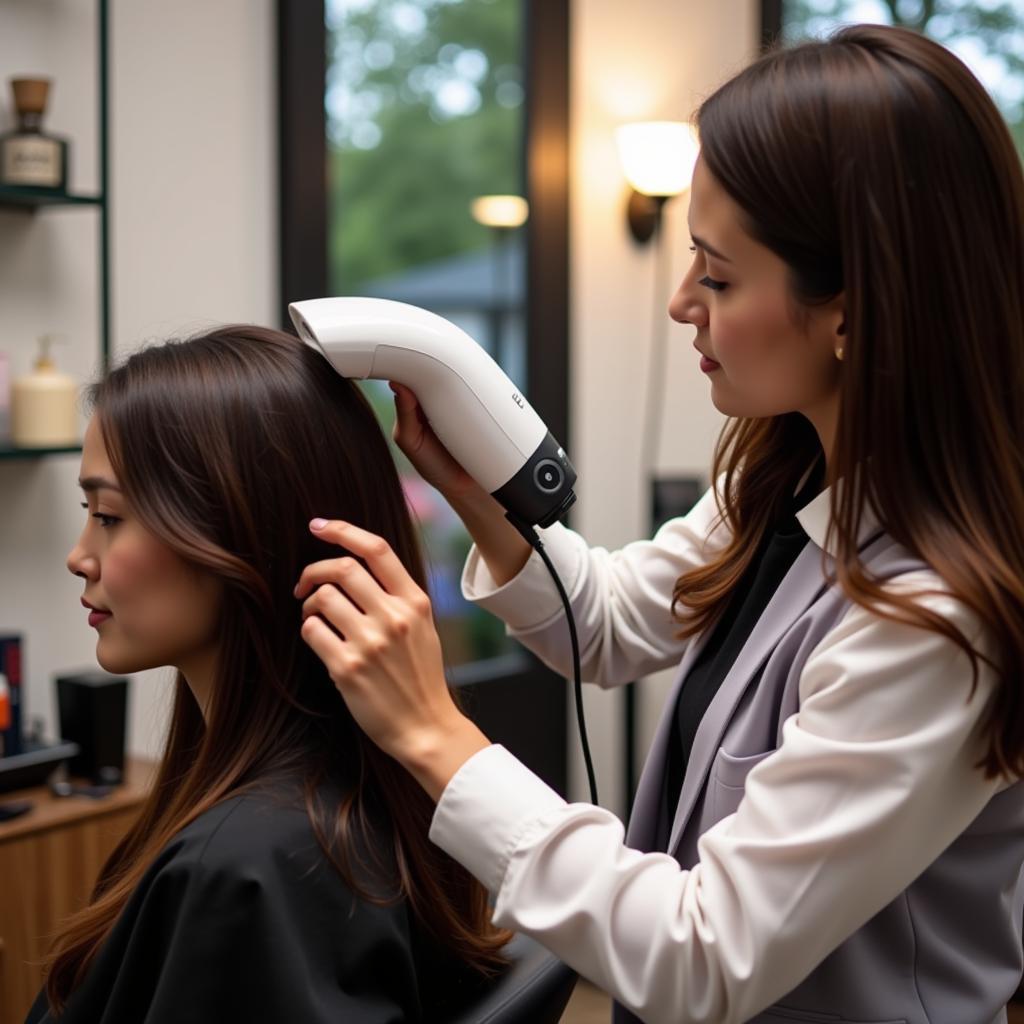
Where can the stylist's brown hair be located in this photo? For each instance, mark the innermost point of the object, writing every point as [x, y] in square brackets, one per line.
[874, 163]
[225, 446]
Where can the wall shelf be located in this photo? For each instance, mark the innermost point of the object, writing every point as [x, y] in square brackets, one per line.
[8, 453]
[29, 199]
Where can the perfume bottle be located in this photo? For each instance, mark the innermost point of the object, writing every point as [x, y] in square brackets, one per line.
[28, 155]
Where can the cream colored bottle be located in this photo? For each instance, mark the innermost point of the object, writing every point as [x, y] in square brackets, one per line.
[44, 405]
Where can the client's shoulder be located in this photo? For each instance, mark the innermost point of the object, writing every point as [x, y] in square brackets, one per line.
[249, 827]
[259, 836]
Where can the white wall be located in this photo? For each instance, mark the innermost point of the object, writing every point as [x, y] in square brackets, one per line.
[648, 60]
[193, 214]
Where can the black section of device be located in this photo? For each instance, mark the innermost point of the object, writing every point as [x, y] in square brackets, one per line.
[541, 492]
[93, 707]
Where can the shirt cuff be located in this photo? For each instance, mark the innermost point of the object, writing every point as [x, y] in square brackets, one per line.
[529, 601]
[486, 808]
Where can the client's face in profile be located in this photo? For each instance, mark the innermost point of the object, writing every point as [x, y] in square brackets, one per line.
[162, 611]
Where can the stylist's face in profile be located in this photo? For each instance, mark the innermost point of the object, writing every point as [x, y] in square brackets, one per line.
[162, 610]
[737, 294]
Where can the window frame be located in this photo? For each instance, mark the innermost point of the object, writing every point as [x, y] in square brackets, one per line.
[771, 23]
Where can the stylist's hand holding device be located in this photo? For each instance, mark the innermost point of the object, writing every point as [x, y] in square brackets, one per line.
[375, 633]
[423, 448]
[502, 547]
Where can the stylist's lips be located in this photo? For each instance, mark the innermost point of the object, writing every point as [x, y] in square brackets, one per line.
[706, 364]
[96, 615]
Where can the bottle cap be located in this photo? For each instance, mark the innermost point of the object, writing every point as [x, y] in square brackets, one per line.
[30, 94]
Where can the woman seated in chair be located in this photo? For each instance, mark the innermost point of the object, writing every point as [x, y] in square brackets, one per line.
[280, 868]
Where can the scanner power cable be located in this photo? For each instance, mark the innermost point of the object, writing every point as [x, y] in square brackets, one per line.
[533, 539]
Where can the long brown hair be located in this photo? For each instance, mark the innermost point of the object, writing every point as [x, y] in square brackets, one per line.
[225, 445]
[874, 162]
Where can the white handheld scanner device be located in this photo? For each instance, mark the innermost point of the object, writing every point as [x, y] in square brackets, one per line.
[478, 414]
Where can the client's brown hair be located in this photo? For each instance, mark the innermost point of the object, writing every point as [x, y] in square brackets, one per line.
[225, 446]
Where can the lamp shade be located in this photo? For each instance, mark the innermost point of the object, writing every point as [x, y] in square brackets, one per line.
[500, 211]
[657, 156]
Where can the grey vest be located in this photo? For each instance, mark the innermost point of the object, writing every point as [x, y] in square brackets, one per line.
[948, 949]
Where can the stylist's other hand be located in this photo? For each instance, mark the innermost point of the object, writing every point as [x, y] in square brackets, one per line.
[423, 448]
[374, 631]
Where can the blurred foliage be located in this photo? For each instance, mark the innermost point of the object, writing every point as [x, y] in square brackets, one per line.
[404, 199]
[993, 31]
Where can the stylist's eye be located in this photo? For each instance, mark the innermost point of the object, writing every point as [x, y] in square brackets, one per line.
[105, 520]
[710, 282]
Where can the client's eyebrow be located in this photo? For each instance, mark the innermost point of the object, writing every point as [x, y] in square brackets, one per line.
[96, 483]
[707, 248]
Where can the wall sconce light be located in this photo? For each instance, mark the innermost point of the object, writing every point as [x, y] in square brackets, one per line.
[500, 211]
[657, 158]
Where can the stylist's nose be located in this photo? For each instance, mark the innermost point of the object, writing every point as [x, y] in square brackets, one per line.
[686, 307]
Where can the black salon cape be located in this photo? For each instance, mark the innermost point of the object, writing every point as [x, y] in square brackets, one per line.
[242, 918]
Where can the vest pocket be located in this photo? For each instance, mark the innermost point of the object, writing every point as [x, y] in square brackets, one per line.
[728, 777]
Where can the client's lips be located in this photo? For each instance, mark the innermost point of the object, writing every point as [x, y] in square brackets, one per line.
[95, 608]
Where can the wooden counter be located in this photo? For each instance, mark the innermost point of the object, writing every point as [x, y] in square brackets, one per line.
[49, 860]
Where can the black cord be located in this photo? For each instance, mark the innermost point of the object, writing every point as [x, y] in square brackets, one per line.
[533, 539]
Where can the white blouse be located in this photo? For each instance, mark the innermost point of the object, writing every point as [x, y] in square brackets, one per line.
[809, 856]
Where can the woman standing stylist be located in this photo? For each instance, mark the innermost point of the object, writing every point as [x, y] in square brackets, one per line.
[830, 825]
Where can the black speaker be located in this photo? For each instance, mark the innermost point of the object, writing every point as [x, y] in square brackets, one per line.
[93, 709]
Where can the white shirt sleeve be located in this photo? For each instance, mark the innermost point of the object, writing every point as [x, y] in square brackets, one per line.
[874, 779]
[621, 600]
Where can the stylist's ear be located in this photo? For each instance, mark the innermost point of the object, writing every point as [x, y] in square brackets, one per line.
[833, 320]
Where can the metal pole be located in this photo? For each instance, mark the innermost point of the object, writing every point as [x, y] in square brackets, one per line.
[104, 160]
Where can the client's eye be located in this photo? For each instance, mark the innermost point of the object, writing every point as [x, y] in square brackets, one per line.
[105, 520]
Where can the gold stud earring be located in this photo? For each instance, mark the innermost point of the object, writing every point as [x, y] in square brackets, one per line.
[839, 353]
